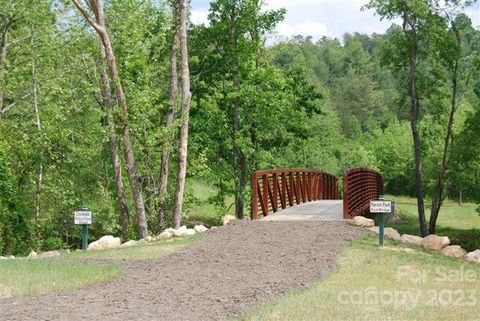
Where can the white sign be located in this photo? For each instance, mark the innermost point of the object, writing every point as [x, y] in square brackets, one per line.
[82, 217]
[380, 206]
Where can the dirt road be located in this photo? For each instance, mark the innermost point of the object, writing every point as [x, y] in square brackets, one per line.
[232, 268]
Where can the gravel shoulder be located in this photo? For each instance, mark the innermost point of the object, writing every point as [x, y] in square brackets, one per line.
[234, 267]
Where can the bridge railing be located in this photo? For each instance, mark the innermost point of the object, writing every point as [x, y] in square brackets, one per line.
[360, 186]
[280, 188]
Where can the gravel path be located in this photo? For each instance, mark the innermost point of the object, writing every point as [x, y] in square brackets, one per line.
[232, 268]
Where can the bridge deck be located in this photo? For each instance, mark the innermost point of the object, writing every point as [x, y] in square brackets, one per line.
[329, 210]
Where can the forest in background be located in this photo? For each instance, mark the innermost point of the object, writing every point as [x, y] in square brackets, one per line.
[329, 104]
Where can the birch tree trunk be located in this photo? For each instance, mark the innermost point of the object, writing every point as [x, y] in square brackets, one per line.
[99, 26]
[38, 123]
[173, 96]
[108, 104]
[186, 97]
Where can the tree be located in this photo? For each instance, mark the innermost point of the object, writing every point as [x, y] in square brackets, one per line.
[185, 115]
[169, 121]
[99, 25]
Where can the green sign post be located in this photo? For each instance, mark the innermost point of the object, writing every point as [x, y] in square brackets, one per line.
[84, 218]
[381, 207]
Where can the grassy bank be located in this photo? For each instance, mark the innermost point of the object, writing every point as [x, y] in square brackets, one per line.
[460, 223]
[29, 277]
[394, 283]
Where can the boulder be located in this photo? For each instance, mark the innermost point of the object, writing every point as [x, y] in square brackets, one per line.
[362, 221]
[165, 235]
[473, 256]
[411, 239]
[129, 243]
[32, 255]
[105, 242]
[181, 231]
[227, 219]
[200, 229]
[190, 232]
[389, 232]
[149, 239]
[435, 243]
[49, 254]
[454, 251]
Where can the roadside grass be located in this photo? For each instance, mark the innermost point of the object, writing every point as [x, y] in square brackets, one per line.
[460, 223]
[393, 283]
[137, 252]
[30, 277]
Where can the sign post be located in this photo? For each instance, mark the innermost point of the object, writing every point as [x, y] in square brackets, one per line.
[84, 218]
[381, 207]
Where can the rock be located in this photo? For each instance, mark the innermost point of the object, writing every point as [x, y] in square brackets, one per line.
[473, 256]
[213, 227]
[435, 243]
[389, 232]
[165, 235]
[411, 239]
[32, 255]
[454, 251]
[190, 232]
[363, 221]
[228, 218]
[149, 239]
[129, 243]
[3, 258]
[200, 229]
[181, 231]
[105, 242]
[170, 230]
[49, 254]
[66, 251]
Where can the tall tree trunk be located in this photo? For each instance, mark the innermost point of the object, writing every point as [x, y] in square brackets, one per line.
[38, 124]
[414, 116]
[108, 105]
[448, 141]
[186, 97]
[173, 96]
[99, 26]
[3, 58]
[239, 159]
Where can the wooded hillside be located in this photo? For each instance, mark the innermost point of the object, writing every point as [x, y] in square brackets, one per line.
[97, 107]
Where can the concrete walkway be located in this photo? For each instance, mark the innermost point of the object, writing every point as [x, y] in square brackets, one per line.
[328, 210]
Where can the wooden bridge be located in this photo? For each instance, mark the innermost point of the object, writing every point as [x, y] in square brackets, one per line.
[304, 194]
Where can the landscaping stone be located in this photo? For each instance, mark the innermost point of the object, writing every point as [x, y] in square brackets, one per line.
[473, 256]
[164, 235]
[149, 239]
[105, 242]
[200, 229]
[435, 243]
[390, 233]
[181, 231]
[49, 254]
[454, 251]
[190, 232]
[129, 243]
[228, 218]
[363, 221]
[411, 239]
[32, 255]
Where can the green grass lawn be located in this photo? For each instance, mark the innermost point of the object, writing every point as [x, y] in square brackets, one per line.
[29, 277]
[39, 276]
[460, 223]
[394, 283]
[202, 211]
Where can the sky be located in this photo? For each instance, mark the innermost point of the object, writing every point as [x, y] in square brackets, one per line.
[318, 18]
